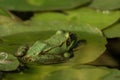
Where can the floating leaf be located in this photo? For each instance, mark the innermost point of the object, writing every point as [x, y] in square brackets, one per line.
[113, 31]
[106, 4]
[8, 62]
[81, 72]
[44, 25]
[105, 60]
[96, 18]
[114, 75]
[35, 5]
[35, 72]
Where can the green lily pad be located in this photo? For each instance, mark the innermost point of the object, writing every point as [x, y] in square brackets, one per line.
[113, 31]
[114, 75]
[96, 18]
[81, 72]
[8, 62]
[45, 25]
[35, 5]
[105, 60]
[35, 72]
[84, 32]
[106, 4]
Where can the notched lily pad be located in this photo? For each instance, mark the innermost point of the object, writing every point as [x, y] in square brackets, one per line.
[8, 62]
[106, 4]
[84, 73]
[92, 35]
[105, 60]
[48, 23]
[113, 31]
[95, 18]
[113, 75]
[36, 5]
[60, 72]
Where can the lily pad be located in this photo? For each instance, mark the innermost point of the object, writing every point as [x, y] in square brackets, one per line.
[113, 31]
[105, 60]
[114, 75]
[35, 5]
[95, 18]
[81, 72]
[34, 72]
[91, 34]
[8, 62]
[106, 4]
[42, 26]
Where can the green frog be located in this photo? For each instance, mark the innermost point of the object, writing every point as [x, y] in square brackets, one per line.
[56, 49]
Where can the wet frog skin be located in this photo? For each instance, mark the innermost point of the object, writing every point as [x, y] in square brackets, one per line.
[56, 49]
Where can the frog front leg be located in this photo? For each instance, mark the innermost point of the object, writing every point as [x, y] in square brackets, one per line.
[22, 50]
